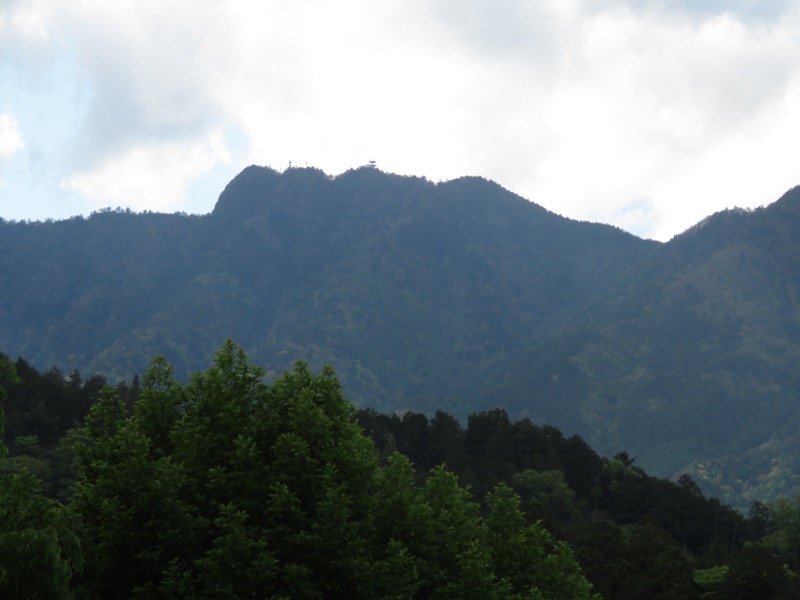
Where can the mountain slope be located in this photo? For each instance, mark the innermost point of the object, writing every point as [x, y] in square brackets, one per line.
[458, 295]
[689, 360]
[410, 289]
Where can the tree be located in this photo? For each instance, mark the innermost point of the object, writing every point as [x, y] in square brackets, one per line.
[546, 496]
[39, 553]
[458, 563]
[760, 522]
[488, 438]
[132, 515]
[758, 573]
[710, 581]
[600, 549]
[8, 376]
[398, 522]
[659, 568]
[225, 486]
[784, 519]
[447, 444]
[524, 555]
[686, 483]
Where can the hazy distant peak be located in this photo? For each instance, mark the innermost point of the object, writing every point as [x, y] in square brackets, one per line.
[790, 200]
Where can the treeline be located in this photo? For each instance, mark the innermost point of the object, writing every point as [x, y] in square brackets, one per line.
[42, 411]
[635, 536]
[227, 487]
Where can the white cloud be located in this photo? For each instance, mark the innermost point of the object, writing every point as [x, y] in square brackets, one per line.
[150, 177]
[23, 20]
[25, 38]
[645, 108]
[586, 107]
[152, 70]
[10, 137]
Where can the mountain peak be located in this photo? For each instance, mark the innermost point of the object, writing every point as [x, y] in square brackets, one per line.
[244, 191]
[789, 201]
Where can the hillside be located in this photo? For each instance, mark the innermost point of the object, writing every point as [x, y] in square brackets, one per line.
[458, 296]
[411, 290]
[689, 359]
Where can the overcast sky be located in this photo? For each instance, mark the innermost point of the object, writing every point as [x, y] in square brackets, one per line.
[647, 114]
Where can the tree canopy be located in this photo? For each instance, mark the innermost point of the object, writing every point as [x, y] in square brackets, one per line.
[227, 487]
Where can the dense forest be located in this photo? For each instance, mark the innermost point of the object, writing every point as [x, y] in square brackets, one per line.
[227, 486]
[457, 296]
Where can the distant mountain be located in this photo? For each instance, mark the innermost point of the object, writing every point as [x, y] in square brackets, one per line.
[689, 360]
[458, 295]
[410, 289]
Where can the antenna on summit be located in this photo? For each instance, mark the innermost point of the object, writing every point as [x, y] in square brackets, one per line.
[372, 164]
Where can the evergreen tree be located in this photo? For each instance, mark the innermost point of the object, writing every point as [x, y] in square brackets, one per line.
[39, 553]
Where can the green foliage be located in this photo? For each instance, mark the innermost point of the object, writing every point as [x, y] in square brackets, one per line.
[784, 517]
[758, 573]
[7, 376]
[203, 460]
[40, 411]
[601, 549]
[39, 551]
[546, 495]
[227, 487]
[710, 581]
[525, 555]
[634, 562]
[663, 570]
[634, 536]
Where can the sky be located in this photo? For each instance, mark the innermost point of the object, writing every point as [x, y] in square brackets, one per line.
[646, 114]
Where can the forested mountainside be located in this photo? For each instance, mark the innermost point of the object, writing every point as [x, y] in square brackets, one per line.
[458, 296]
[690, 360]
[410, 289]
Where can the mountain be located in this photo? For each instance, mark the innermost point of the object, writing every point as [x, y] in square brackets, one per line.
[409, 289]
[458, 295]
[689, 360]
